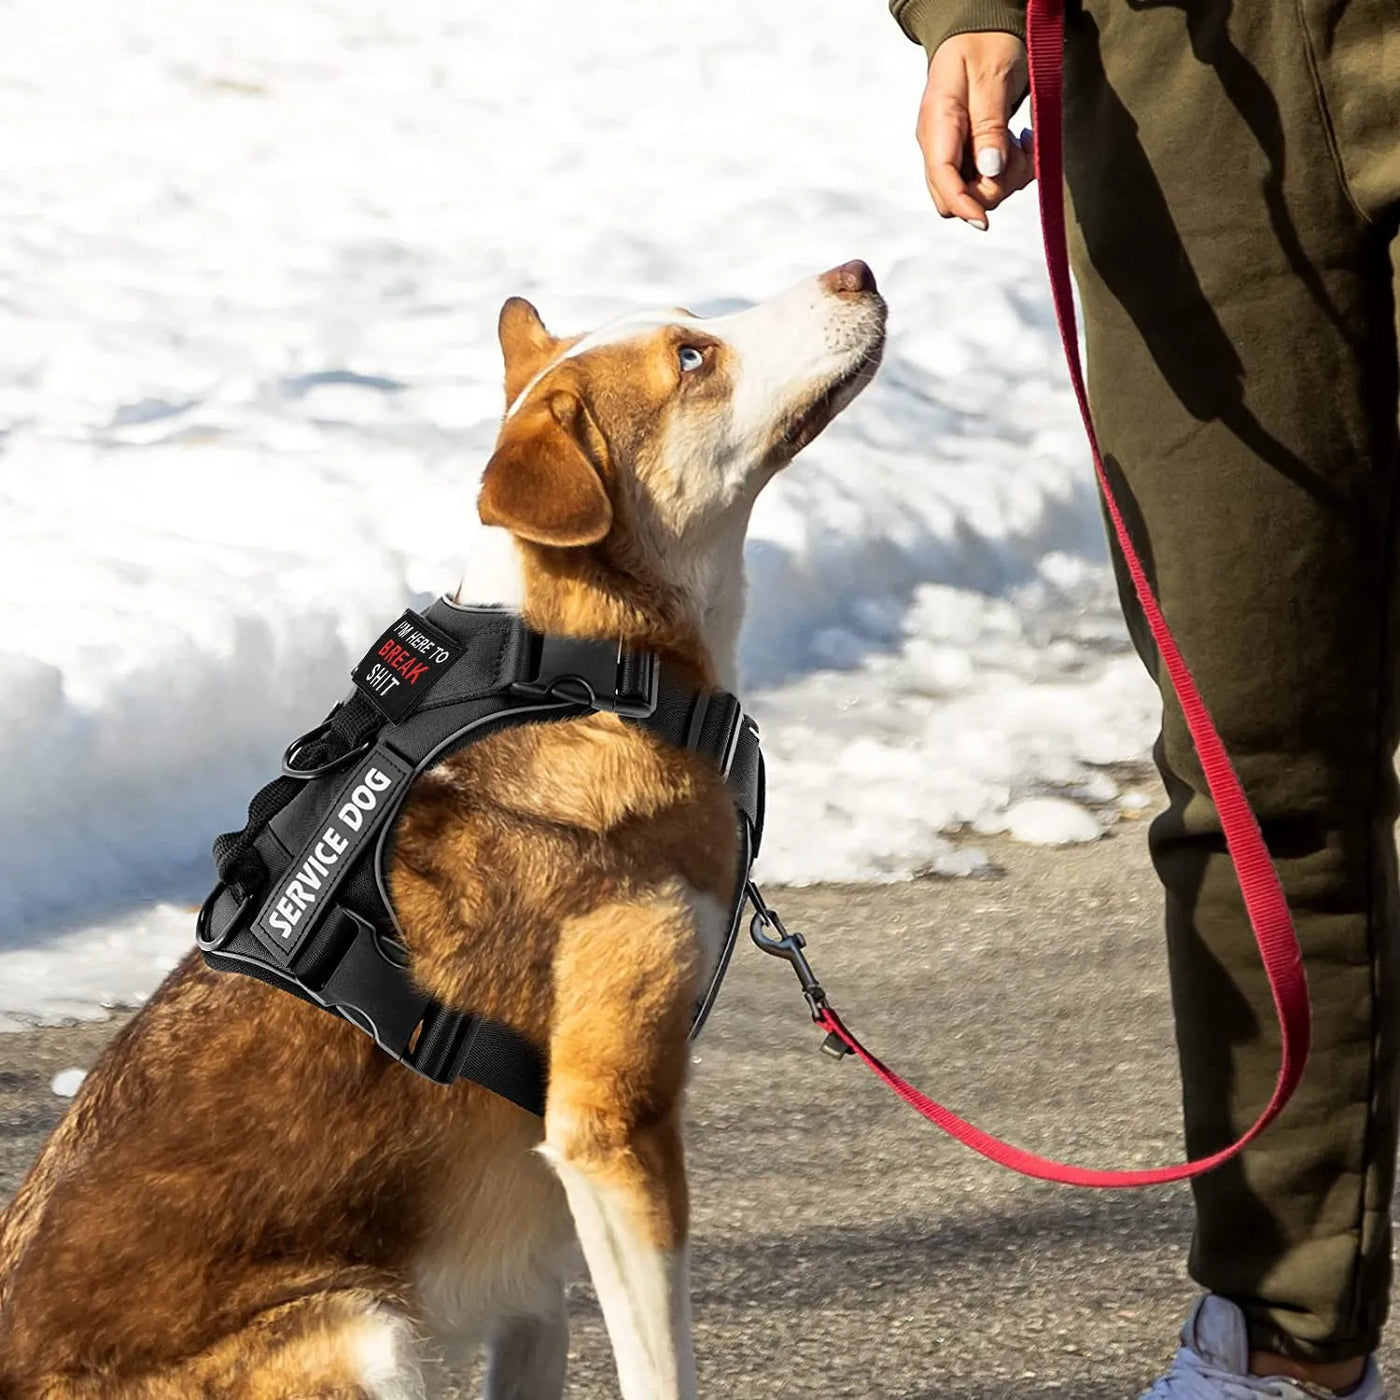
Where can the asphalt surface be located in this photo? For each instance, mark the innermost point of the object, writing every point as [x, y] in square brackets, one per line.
[843, 1247]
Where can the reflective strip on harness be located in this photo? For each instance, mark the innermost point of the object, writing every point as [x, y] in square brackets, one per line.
[307, 887]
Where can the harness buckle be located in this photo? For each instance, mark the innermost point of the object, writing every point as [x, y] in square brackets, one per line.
[369, 987]
[600, 675]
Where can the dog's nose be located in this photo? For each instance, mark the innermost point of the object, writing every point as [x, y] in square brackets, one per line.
[852, 278]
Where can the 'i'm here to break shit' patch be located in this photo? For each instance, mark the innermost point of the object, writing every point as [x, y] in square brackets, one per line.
[403, 665]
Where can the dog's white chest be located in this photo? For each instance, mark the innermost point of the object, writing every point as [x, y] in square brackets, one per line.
[502, 1248]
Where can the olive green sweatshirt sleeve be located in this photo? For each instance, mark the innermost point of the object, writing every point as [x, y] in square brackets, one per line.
[930, 22]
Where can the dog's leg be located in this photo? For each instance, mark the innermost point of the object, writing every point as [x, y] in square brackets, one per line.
[642, 1282]
[527, 1356]
[618, 1054]
[331, 1346]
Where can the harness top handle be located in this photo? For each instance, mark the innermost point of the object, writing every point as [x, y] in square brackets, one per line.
[1263, 896]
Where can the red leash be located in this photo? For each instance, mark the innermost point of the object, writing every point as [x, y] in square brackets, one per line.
[1263, 897]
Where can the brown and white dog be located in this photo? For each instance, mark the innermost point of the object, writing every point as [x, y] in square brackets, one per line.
[247, 1199]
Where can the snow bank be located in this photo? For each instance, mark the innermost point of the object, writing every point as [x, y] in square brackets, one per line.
[255, 257]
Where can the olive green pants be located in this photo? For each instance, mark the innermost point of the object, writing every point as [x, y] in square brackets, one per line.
[1234, 172]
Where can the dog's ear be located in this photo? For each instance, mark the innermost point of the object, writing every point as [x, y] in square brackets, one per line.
[526, 345]
[541, 482]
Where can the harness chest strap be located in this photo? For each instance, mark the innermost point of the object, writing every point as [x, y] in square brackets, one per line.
[302, 901]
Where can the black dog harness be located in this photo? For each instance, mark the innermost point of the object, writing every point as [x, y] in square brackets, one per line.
[302, 900]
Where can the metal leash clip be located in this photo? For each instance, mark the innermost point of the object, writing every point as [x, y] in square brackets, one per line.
[788, 946]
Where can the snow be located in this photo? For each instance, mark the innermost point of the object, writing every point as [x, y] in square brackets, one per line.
[67, 1082]
[1051, 821]
[80, 973]
[253, 258]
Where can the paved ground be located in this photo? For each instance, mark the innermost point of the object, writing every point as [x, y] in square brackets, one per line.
[842, 1247]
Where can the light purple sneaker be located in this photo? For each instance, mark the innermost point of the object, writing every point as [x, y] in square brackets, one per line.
[1213, 1364]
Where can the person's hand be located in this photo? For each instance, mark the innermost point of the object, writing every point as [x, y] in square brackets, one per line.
[971, 160]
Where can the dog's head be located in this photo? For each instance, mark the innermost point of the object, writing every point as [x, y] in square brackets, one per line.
[630, 458]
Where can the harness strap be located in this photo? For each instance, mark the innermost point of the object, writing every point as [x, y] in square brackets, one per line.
[368, 984]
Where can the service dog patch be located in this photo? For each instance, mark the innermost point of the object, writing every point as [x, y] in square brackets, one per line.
[305, 888]
[401, 668]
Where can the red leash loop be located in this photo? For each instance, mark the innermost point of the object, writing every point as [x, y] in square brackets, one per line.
[1263, 896]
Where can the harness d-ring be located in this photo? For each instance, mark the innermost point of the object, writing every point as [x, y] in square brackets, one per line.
[207, 942]
[290, 770]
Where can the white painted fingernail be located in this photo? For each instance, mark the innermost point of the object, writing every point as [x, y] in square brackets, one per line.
[979, 223]
[989, 162]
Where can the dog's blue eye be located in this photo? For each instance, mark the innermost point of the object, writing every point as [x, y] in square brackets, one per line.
[690, 358]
